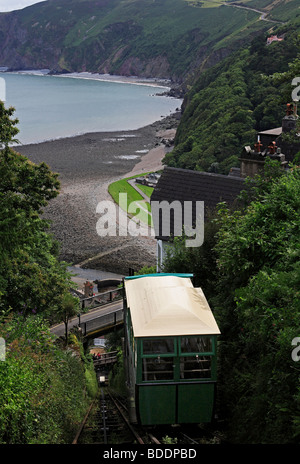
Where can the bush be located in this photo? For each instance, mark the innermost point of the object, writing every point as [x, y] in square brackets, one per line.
[44, 390]
[257, 309]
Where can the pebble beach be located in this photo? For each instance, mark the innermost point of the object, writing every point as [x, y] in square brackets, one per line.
[86, 165]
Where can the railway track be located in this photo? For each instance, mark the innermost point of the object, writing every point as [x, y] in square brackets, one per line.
[107, 422]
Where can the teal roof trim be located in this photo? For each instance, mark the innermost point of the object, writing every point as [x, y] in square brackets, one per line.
[161, 274]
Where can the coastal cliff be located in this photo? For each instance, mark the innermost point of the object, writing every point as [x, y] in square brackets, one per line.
[162, 38]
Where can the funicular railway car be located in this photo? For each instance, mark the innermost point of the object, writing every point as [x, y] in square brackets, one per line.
[170, 350]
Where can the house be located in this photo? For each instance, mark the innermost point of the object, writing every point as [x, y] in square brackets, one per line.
[187, 187]
[180, 191]
[274, 38]
[289, 123]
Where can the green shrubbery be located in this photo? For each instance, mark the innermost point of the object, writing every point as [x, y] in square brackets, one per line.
[257, 305]
[230, 102]
[249, 269]
[44, 390]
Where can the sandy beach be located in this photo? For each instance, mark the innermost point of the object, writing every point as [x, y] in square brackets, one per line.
[86, 165]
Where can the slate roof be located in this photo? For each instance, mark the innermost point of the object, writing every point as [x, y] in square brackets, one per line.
[187, 185]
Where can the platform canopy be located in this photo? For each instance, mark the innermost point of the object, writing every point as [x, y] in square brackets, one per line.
[168, 305]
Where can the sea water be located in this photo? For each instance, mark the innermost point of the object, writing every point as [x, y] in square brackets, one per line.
[51, 107]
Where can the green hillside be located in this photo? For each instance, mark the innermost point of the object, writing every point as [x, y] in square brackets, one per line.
[152, 38]
[215, 49]
[230, 102]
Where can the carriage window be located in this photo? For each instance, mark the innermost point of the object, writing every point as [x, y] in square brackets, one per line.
[196, 345]
[158, 368]
[159, 346]
[195, 367]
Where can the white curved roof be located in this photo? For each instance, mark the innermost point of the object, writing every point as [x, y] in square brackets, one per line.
[168, 305]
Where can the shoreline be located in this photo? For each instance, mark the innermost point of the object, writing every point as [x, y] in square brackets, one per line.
[86, 165]
[170, 89]
[154, 81]
[83, 134]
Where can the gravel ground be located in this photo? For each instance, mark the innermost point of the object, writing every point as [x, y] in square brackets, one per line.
[86, 165]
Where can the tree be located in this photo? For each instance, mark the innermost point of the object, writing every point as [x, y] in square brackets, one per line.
[248, 267]
[31, 277]
[8, 129]
[257, 308]
[69, 308]
[226, 106]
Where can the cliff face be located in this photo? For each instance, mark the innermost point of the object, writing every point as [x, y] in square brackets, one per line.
[35, 46]
[20, 49]
[149, 38]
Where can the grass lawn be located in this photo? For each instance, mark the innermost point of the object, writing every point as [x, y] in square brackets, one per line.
[136, 205]
[147, 190]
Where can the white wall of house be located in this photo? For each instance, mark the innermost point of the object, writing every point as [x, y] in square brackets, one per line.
[161, 247]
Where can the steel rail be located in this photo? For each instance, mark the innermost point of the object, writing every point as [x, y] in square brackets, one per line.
[135, 434]
[154, 439]
[75, 441]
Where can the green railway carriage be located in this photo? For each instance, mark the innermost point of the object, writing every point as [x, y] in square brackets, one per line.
[170, 350]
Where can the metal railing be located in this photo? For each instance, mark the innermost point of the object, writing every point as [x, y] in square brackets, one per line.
[105, 358]
[102, 322]
[102, 298]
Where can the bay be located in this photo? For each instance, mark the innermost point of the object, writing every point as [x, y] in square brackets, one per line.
[52, 107]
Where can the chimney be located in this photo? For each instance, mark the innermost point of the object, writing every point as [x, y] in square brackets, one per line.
[274, 153]
[253, 161]
[272, 148]
[290, 119]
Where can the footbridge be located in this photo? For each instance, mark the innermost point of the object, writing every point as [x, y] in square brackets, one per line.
[109, 316]
[99, 314]
[103, 322]
[105, 359]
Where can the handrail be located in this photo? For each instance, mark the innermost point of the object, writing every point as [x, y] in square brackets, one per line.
[101, 322]
[102, 298]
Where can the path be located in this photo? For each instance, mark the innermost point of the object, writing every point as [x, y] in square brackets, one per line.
[263, 15]
[82, 275]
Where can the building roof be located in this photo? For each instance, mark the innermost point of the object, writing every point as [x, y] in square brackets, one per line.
[275, 132]
[187, 185]
[168, 305]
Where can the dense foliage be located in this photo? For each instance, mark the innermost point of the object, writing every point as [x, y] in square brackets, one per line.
[230, 102]
[44, 390]
[248, 265]
[31, 276]
[258, 309]
[249, 270]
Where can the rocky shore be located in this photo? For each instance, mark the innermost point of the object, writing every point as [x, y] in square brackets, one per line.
[86, 165]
